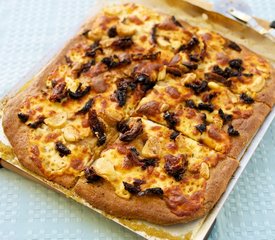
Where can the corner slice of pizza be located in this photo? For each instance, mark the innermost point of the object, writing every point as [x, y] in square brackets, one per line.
[205, 111]
[155, 174]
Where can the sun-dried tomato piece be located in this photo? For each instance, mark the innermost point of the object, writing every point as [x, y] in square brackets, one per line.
[201, 127]
[190, 65]
[225, 117]
[62, 149]
[59, 92]
[206, 106]
[194, 41]
[79, 93]
[236, 64]
[151, 191]
[232, 132]
[122, 126]
[132, 188]
[174, 135]
[85, 67]
[23, 117]
[154, 34]
[150, 56]
[198, 86]
[174, 71]
[175, 166]
[190, 103]
[147, 162]
[114, 61]
[135, 130]
[91, 175]
[37, 123]
[112, 32]
[97, 127]
[132, 158]
[176, 22]
[123, 43]
[86, 107]
[171, 119]
[121, 93]
[144, 80]
[234, 46]
[93, 49]
[246, 99]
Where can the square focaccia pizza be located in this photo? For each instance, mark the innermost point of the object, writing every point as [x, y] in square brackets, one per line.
[142, 115]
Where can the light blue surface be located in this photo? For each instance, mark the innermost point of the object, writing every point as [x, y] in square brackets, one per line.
[28, 30]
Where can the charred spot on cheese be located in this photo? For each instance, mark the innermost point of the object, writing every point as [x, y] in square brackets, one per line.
[112, 32]
[147, 162]
[149, 56]
[176, 22]
[174, 135]
[206, 106]
[201, 127]
[93, 49]
[79, 93]
[194, 41]
[37, 123]
[190, 65]
[234, 46]
[171, 119]
[225, 117]
[135, 130]
[86, 107]
[154, 34]
[190, 103]
[151, 191]
[132, 188]
[23, 117]
[59, 92]
[175, 166]
[236, 64]
[123, 43]
[97, 127]
[91, 175]
[174, 71]
[85, 67]
[232, 132]
[114, 61]
[62, 149]
[198, 86]
[246, 99]
[122, 126]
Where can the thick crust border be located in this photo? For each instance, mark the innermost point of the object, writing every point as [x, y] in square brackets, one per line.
[101, 195]
[247, 128]
[267, 94]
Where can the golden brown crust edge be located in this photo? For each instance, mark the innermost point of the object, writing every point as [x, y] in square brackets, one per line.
[247, 128]
[266, 95]
[101, 195]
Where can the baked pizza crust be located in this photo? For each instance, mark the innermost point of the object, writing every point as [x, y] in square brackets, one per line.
[101, 195]
[247, 128]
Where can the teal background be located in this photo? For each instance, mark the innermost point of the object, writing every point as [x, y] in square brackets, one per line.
[29, 29]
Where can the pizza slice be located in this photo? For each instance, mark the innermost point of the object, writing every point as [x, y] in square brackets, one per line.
[156, 174]
[205, 111]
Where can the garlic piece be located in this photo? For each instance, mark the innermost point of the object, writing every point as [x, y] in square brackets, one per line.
[213, 85]
[151, 148]
[164, 107]
[258, 84]
[57, 121]
[71, 134]
[204, 170]
[124, 30]
[162, 73]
